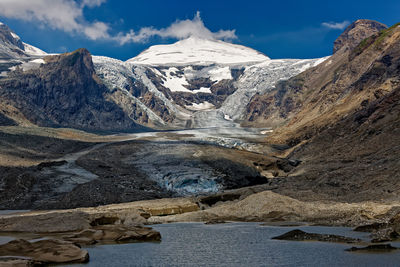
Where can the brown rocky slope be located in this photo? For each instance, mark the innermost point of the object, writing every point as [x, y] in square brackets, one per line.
[321, 95]
[342, 121]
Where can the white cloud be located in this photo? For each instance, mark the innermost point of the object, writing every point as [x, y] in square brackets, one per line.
[180, 29]
[93, 3]
[97, 30]
[67, 15]
[336, 25]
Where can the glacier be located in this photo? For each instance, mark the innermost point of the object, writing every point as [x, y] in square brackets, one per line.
[202, 83]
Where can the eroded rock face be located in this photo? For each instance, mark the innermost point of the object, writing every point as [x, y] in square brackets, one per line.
[46, 251]
[356, 32]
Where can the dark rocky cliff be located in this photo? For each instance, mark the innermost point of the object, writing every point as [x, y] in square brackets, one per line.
[64, 92]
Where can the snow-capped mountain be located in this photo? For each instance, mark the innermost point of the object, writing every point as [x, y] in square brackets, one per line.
[11, 45]
[197, 51]
[193, 82]
[14, 52]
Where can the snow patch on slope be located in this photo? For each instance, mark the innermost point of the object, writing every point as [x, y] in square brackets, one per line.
[216, 73]
[175, 82]
[203, 90]
[201, 106]
[15, 36]
[33, 51]
[30, 65]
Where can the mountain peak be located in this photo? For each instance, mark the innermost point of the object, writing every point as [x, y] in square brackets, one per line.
[196, 50]
[356, 32]
[8, 37]
[11, 45]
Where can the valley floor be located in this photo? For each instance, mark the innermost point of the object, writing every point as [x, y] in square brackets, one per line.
[197, 175]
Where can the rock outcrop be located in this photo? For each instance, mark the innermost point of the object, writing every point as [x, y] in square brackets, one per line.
[374, 248]
[267, 206]
[49, 222]
[113, 233]
[299, 235]
[46, 251]
[356, 32]
[124, 216]
[15, 261]
[64, 92]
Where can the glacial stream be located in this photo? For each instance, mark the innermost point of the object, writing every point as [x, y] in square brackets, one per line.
[236, 244]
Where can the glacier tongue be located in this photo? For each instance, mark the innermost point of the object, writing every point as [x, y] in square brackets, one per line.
[261, 78]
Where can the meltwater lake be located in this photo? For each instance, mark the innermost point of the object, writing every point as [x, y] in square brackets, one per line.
[237, 244]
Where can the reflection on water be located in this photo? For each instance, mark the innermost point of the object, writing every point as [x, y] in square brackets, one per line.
[236, 244]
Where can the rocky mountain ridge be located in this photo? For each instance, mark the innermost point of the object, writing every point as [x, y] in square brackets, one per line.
[324, 94]
[341, 120]
[64, 91]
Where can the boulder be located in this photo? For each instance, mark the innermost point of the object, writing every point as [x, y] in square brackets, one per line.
[46, 251]
[384, 235]
[299, 235]
[48, 164]
[374, 248]
[380, 232]
[370, 227]
[215, 221]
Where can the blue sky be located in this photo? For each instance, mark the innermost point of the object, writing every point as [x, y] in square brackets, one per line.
[122, 29]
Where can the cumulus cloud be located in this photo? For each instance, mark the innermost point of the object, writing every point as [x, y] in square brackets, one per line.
[67, 15]
[336, 25]
[180, 29]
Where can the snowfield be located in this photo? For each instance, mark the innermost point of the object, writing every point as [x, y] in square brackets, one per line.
[197, 51]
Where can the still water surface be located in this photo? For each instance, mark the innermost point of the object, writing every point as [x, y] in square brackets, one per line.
[236, 244]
